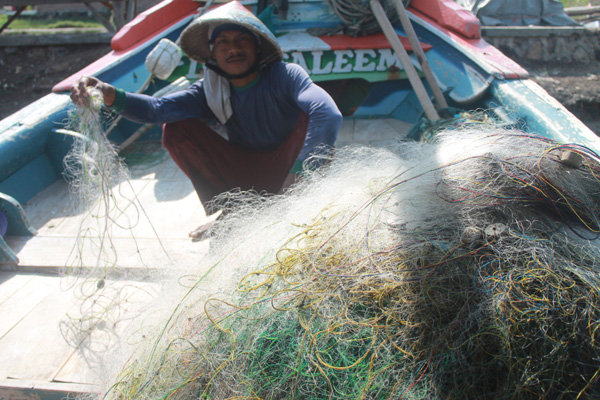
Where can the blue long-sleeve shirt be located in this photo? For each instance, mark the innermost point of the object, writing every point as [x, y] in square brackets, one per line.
[264, 112]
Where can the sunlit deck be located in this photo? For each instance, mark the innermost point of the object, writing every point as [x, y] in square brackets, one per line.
[46, 349]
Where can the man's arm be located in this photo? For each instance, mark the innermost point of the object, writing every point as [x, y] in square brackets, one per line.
[324, 117]
[189, 103]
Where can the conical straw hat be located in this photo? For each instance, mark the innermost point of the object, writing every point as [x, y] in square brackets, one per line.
[194, 38]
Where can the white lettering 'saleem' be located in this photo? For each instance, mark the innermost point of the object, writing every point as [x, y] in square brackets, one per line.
[365, 60]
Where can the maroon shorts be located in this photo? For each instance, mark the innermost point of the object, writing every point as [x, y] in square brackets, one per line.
[215, 165]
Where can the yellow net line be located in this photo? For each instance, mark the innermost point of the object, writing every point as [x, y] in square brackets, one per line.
[464, 268]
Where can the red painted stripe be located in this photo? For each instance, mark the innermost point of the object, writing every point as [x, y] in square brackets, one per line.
[450, 15]
[152, 21]
[376, 41]
[90, 70]
[485, 51]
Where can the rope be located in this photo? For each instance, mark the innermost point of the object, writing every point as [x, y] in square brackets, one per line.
[357, 17]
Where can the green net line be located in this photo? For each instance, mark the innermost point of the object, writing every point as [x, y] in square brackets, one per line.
[499, 300]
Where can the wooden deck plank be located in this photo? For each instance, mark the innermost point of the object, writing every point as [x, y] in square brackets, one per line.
[11, 389]
[161, 210]
[89, 363]
[38, 344]
[372, 132]
[45, 251]
[29, 291]
[47, 209]
[11, 282]
[55, 205]
[63, 326]
[126, 253]
[167, 209]
[379, 132]
[346, 133]
[52, 212]
[155, 163]
[121, 197]
[32, 349]
[79, 369]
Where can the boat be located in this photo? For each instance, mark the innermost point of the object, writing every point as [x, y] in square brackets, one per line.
[364, 74]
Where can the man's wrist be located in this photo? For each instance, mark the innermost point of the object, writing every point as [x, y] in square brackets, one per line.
[118, 100]
[109, 94]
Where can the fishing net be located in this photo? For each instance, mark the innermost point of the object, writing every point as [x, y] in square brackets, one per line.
[462, 268]
[105, 203]
[92, 166]
[357, 17]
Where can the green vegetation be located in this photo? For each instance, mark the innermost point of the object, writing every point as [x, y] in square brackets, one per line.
[36, 22]
[579, 3]
[83, 21]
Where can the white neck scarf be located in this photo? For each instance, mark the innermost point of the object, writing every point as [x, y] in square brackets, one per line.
[218, 95]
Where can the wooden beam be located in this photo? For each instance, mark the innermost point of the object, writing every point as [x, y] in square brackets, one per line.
[31, 390]
[119, 13]
[131, 9]
[418, 50]
[573, 11]
[409, 68]
[12, 18]
[99, 17]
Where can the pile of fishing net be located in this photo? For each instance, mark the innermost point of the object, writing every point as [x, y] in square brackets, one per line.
[465, 268]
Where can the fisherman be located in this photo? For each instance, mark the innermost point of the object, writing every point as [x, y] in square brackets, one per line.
[274, 116]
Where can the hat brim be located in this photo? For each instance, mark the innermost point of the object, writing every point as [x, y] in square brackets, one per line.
[194, 38]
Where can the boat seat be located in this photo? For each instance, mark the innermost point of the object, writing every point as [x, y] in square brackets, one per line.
[17, 224]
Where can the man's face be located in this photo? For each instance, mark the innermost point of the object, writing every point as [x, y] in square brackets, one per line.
[235, 52]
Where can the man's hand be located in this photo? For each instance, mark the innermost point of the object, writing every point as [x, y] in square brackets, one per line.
[80, 96]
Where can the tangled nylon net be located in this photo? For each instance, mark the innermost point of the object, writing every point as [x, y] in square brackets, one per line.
[101, 191]
[358, 18]
[93, 170]
[465, 269]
